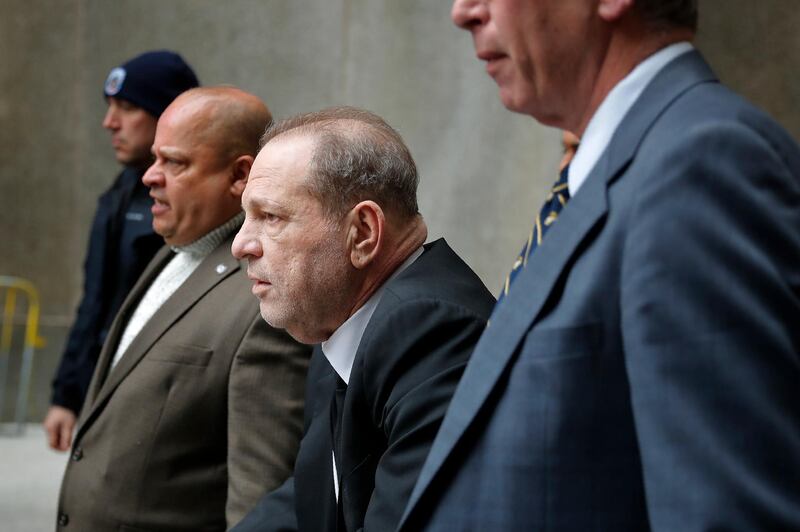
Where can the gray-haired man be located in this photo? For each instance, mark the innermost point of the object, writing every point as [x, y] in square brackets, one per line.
[334, 243]
[641, 372]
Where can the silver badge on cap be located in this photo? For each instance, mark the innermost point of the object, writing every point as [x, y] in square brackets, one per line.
[114, 81]
[221, 268]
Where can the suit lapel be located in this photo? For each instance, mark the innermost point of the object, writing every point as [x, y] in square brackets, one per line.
[511, 320]
[520, 309]
[152, 270]
[218, 265]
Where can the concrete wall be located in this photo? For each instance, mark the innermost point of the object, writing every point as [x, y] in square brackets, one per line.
[484, 170]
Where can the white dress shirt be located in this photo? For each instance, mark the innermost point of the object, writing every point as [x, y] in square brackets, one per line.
[340, 349]
[616, 105]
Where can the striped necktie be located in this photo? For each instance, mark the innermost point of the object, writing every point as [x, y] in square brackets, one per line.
[555, 201]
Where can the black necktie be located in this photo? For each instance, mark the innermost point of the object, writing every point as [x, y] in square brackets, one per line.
[336, 419]
[555, 201]
[337, 410]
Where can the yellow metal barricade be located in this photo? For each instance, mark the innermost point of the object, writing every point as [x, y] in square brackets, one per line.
[14, 286]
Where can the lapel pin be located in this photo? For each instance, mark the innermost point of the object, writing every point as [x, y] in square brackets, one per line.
[221, 268]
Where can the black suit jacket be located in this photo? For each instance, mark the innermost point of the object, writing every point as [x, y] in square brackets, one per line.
[408, 363]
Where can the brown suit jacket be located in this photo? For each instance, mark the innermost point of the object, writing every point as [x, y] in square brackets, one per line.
[200, 417]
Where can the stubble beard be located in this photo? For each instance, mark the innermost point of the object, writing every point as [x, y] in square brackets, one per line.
[317, 306]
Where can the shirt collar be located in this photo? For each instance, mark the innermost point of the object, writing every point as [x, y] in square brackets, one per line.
[340, 349]
[617, 103]
[209, 242]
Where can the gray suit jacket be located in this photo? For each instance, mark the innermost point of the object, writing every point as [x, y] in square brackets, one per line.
[643, 372]
[201, 415]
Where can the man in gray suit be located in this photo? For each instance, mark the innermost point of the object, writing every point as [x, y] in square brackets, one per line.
[641, 372]
[195, 407]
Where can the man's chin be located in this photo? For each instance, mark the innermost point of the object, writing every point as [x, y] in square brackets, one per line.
[122, 158]
[272, 320]
[294, 330]
[166, 233]
[512, 101]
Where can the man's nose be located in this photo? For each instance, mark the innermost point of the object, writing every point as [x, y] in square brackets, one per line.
[111, 120]
[468, 13]
[245, 245]
[153, 177]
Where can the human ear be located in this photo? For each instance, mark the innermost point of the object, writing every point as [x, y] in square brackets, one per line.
[240, 169]
[365, 233]
[613, 10]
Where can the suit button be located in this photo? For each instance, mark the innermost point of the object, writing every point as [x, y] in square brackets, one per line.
[77, 455]
[63, 519]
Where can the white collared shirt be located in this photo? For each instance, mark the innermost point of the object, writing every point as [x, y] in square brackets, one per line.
[616, 105]
[340, 349]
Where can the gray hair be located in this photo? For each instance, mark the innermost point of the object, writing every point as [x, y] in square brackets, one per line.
[357, 156]
[665, 14]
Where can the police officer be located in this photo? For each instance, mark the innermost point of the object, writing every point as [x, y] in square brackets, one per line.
[122, 240]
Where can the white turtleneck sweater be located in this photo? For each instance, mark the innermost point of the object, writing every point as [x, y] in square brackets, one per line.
[186, 260]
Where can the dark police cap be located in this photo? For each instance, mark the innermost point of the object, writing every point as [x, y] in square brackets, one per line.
[151, 80]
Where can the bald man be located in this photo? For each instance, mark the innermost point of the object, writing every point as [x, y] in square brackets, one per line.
[195, 406]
